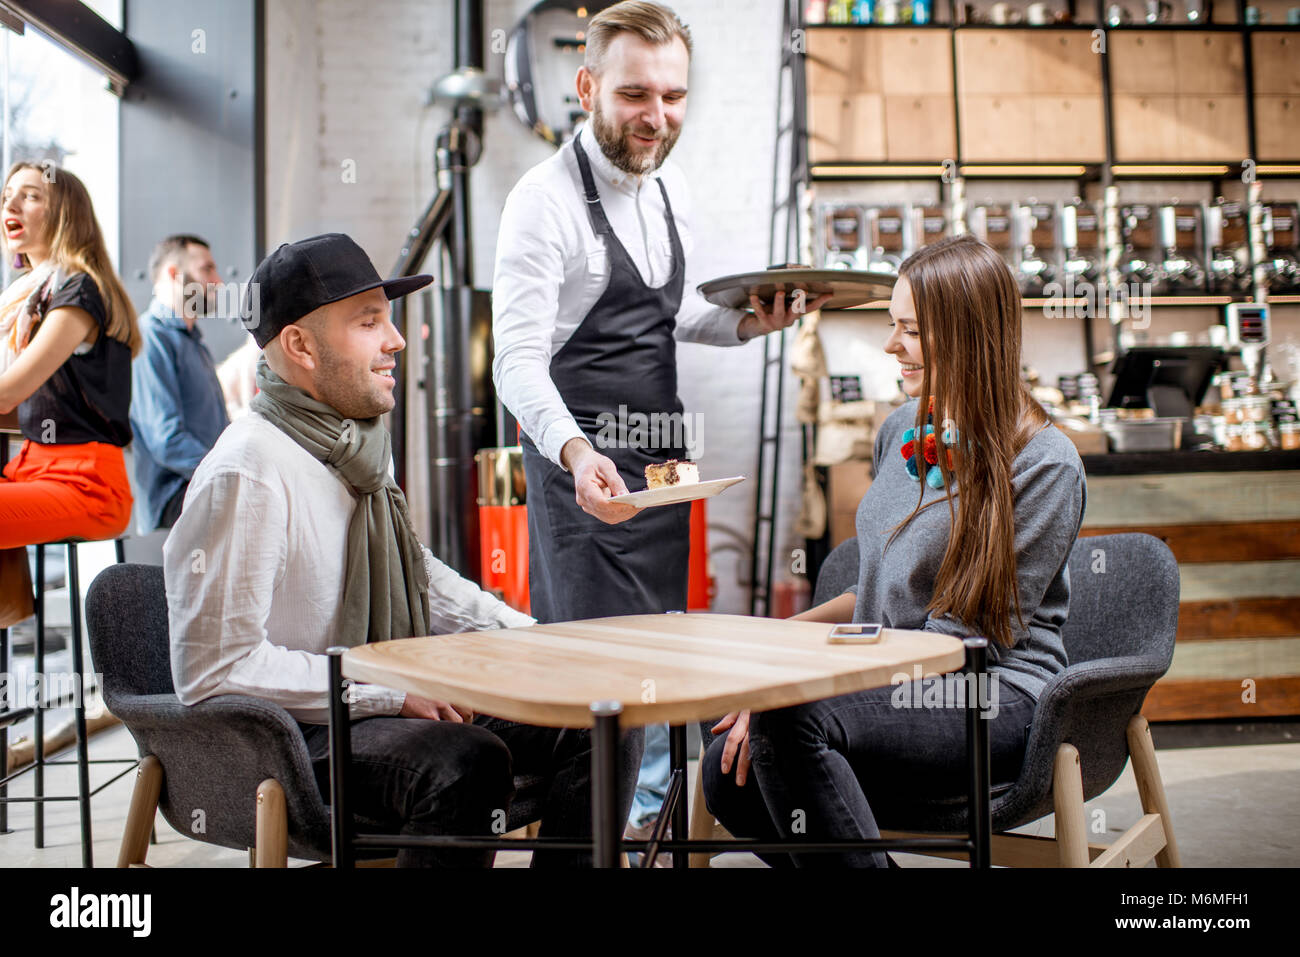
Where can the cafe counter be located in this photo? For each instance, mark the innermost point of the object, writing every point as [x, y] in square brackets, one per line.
[1232, 520]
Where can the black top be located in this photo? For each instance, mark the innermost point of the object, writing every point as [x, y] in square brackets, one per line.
[88, 398]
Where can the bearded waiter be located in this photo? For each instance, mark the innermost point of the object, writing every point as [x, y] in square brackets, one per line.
[592, 288]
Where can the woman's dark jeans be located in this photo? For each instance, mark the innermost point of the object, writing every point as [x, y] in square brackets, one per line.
[836, 768]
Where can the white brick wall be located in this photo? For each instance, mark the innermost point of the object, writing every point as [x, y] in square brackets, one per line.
[347, 81]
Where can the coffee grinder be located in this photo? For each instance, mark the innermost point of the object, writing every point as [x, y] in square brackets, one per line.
[842, 237]
[991, 222]
[1137, 263]
[887, 238]
[1282, 241]
[1182, 239]
[1081, 240]
[929, 225]
[1227, 231]
[1035, 230]
[1248, 330]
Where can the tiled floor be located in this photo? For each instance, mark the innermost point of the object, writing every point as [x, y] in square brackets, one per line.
[1232, 807]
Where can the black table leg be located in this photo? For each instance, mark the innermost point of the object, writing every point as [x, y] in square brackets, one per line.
[977, 746]
[681, 811]
[606, 831]
[340, 743]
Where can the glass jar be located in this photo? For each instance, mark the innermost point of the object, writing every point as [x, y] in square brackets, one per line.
[1254, 437]
[1256, 408]
[1232, 411]
[1288, 434]
[1233, 437]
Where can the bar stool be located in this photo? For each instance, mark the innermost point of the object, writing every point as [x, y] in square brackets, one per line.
[75, 700]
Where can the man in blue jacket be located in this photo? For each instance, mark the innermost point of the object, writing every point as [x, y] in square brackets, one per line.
[177, 407]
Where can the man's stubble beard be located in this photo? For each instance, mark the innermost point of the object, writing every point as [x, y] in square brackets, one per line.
[613, 143]
[340, 389]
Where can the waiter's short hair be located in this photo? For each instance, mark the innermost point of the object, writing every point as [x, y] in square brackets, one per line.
[652, 22]
[170, 250]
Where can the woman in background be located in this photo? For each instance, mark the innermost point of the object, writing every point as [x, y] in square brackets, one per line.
[965, 530]
[70, 333]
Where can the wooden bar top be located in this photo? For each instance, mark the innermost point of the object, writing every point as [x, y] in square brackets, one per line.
[661, 668]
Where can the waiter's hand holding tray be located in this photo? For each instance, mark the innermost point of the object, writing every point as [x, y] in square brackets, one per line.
[847, 288]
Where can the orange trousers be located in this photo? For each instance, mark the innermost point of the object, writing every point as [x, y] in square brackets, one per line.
[52, 492]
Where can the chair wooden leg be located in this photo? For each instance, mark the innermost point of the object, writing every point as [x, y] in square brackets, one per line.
[1151, 789]
[272, 826]
[1067, 795]
[140, 815]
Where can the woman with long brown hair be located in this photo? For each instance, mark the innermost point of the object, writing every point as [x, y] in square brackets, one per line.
[965, 530]
[69, 334]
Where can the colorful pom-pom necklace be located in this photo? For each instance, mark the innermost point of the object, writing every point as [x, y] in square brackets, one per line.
[929, 448]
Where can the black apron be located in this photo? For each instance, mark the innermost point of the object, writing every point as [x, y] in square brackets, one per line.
[622, 354]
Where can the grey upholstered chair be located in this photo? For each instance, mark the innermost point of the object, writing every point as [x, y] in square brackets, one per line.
[232, 770]
[1119, 640]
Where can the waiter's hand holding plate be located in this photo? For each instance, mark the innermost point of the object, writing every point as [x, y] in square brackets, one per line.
[595, 482]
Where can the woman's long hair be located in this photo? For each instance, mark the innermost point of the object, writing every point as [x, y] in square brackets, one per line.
[77, 245]
[968, 316]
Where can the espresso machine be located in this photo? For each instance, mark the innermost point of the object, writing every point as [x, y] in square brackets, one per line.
[1081, 241]
[1138, 263]
[842, 246]
[1035, 234]
[1227, 231]
[1182, 242]
[1282, 241]
[887, 244]
[929, 225]
[991, 222]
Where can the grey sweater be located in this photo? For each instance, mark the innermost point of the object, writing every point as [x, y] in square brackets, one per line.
[895, 584]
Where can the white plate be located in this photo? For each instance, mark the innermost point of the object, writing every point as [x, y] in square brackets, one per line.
[673, 494]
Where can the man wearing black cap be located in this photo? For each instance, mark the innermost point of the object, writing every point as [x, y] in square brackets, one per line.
[294, 538]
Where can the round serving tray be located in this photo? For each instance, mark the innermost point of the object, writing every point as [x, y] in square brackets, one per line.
[848, 288]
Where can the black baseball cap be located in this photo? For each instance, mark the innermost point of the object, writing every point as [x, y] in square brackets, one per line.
[301, 277]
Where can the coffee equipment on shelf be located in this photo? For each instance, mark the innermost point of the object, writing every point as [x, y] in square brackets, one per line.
[1228, 234]
[1081, 240]
[1138, 263]
[929, 225]
[887, 244]
[1035, 235]
[1182, 266]
[991, 222]
[842, 246]
[1282, 241]
[1248, 329]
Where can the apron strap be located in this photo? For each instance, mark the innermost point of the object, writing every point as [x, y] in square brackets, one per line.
[595, 210]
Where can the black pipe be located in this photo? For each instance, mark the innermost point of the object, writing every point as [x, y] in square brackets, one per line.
[977, 744]
[340, 745]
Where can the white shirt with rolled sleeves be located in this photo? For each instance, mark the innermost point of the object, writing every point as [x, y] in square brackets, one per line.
[551, 268]
[255, 570]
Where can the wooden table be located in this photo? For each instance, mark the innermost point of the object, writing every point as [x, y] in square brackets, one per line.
[645, 669]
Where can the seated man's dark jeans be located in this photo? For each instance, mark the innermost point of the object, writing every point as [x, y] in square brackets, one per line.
[837, 768]
[413, 776]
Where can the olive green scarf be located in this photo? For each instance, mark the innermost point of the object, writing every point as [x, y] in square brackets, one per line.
[386, 589]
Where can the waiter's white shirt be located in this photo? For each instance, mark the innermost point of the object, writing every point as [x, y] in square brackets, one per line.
[255, 569]
[551, 268]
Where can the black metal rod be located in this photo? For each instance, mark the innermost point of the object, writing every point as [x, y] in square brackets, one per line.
[606, 833]
[681, 816]
[977, 744]
[370, 841]
[79, 710]
[659, 834]
[39, 740]
[4, 724]
[340, 743]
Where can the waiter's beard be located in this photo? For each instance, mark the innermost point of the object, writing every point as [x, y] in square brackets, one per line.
[614, 143]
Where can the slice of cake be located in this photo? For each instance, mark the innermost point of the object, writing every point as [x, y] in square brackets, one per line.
[672, 472]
